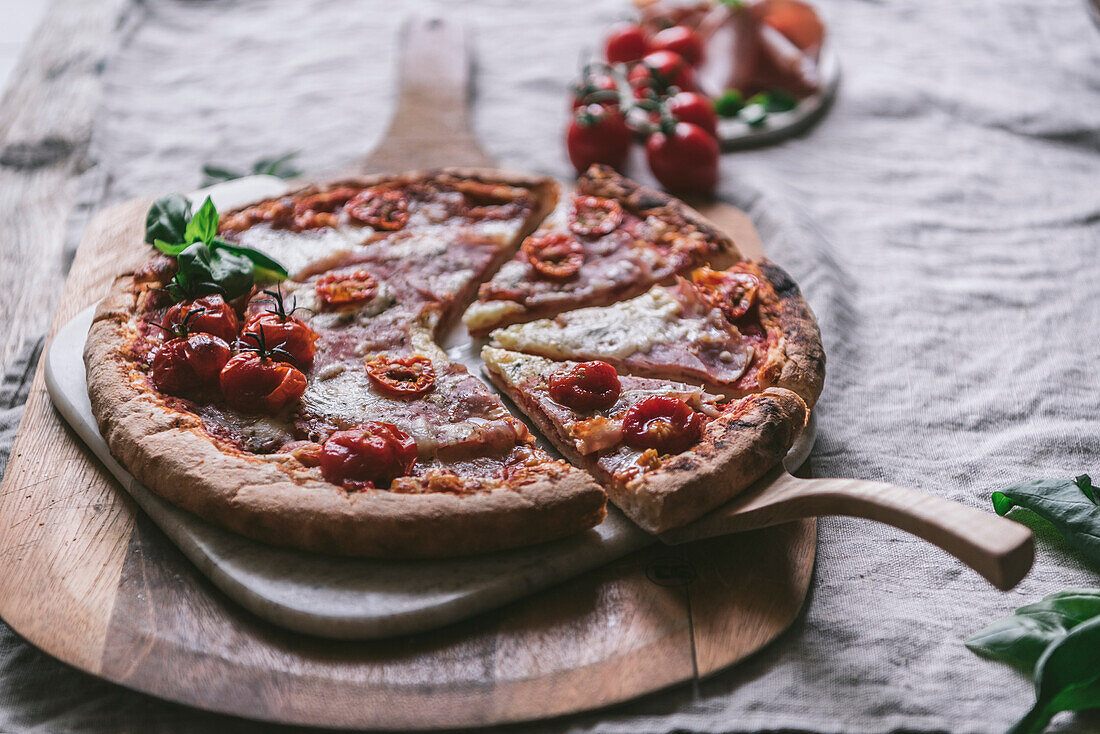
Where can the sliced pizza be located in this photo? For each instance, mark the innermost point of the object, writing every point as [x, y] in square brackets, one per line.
[319, 414]
[736, 331]
[666, 452]
[612, 239]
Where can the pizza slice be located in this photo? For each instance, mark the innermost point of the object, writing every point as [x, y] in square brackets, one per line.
[736, 331]
[612, 239]
[666, 452]
[440, 233]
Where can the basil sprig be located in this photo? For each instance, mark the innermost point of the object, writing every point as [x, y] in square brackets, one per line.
[205, 262]
[1069, 504]
[1057, 640]
[280, 167]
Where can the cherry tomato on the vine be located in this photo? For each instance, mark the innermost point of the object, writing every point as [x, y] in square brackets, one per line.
[555, 255]
[190, 364]
[596, 87]
[694, 108]
[659, 71]
[598, 135]
[681, 40]
[286, 332]
[208, 314]
[404, 377]
[684, 159]
[662, 423]
[255, 383]
[625, 43]
[586, 386]
[368, 457]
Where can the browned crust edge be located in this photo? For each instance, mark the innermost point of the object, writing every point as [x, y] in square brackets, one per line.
[276, 500]
[797, 363]
[601, 180]
[738, 447]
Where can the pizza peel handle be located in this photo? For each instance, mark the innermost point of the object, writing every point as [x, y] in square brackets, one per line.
[999, 549]
[431, 120]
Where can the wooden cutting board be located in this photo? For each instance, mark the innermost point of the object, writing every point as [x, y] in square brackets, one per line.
[89, 579]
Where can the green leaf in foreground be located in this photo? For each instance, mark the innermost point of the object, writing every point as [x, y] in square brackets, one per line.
[1069, 504]
[1020, 640]
[272, 269]
[203, 226]
[167, 219]
[1067, 677]
[202, 270]
[729, 104]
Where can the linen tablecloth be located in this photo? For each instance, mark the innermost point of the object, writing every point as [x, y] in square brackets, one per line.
[943, 220]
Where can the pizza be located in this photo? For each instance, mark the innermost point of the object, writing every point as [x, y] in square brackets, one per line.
[666, 451]
[611, 240]
[276, 369]
[736, 331]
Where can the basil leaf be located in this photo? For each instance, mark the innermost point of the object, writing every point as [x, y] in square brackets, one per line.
[167, 219]
[203, 226]
[273, 269]
[205, 270]
[169, 249]
[1067, 678]
[1020, 640]
[277, 166]
[1069, 504]
[777, 101]
[729, 104]
[216, 174]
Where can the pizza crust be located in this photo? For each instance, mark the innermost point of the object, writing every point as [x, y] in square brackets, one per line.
[797, 361]
[276, 499]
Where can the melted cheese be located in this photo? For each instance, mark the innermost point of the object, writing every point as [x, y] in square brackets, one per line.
[615, 332]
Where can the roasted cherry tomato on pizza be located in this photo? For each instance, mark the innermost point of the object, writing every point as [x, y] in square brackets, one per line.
[554, 255]
[402, 377]
[731, 292]
[598, 134]
[255, 382]
[368, 457]
[625, 43]
[680, 40]
[380, 208]
[586, 386]
[657, 72]
[346, 289]
[593, 216]
[190, 364]
[208, 314]
[287, 332]
[684, 158]
[662, 423]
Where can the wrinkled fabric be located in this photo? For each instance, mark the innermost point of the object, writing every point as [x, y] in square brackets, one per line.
[943, 220]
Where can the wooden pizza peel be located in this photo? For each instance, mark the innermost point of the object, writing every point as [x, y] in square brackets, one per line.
[89, 579]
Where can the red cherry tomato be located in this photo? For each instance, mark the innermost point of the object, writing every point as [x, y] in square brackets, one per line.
[598, 135]
[694, 108]
[209, 314]
[190, 364]
[344, 289]
[662, 423]
[406, 377]
[253, 383]
[625, 43]
[586, 386]
[684, 160]
[681, 40]
[658, 71]
[380, 208]
[731, 292]
[288, 333]
[592, 216]
[794, 19]
[596, 88]
[367, 457]
[554, 255]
